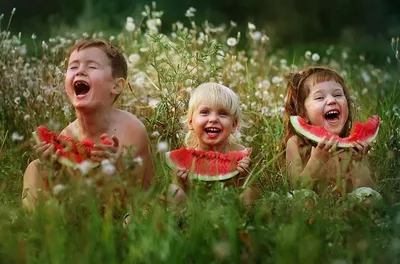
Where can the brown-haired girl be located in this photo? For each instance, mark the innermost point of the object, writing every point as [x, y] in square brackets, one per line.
[320, 95]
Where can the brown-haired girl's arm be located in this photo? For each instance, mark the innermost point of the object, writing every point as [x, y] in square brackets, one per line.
[309, 172]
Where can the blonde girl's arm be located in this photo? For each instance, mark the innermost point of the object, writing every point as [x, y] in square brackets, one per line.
[309, 172]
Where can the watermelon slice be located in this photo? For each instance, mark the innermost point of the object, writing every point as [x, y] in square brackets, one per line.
[72, 152]
[206, 166]
[361, 131]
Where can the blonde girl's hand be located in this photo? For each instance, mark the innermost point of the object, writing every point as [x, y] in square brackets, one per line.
[244, 166]
[360, 149]
[183, 177]
[110, 150]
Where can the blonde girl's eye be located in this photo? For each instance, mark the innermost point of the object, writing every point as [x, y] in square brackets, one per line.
[204, 111]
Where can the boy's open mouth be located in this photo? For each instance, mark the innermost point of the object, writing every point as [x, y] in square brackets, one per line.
[212, 131]
[81, 87]
[332, 116]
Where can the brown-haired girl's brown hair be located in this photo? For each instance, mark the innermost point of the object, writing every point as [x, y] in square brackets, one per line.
[298, 88]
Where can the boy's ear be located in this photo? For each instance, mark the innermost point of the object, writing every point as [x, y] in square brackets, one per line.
[119, 86]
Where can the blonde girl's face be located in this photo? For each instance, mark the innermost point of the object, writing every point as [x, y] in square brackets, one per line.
[212, 126]
[326, 106]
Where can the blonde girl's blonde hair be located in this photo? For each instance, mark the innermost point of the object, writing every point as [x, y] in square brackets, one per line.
[213, 94]
[298, 88]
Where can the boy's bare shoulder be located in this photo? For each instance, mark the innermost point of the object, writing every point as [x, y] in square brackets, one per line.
[70, 130]
[130, 120]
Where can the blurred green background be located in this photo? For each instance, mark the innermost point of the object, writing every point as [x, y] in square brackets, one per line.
[366, 24]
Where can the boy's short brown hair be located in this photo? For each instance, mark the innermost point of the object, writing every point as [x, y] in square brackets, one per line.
[119, 65]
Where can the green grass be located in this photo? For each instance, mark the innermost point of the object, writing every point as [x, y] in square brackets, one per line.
[214, 227]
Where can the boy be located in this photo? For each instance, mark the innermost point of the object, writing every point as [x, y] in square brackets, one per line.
[95, 77]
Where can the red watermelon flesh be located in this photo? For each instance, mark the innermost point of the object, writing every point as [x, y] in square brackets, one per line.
[72, 152]
[206, 165]
[361, 131]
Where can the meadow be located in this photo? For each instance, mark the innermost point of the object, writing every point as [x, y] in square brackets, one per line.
[214, 227]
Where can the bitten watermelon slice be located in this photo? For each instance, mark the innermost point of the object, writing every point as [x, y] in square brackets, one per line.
[361, 131]
[72, 152]
[206, 166]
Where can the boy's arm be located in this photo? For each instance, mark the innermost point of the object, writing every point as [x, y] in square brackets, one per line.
[139, 140]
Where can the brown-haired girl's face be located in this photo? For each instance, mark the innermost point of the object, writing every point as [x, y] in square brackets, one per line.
[326, 106]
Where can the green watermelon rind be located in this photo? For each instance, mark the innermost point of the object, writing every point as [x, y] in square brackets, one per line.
[294, 120]
[202, 177]
[65, 161]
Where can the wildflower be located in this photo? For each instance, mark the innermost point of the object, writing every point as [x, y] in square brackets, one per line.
[107, 168]
[222, 250]
[344, 55]
[231, 42]
[257, 35]
[276, 80]
[13, 11]
[134, 58]
[58, 188]
[153, 103]
[16, 137]
[129, 25]
[152, 25]
[155, 134]
[190, 12]
[85, 166]
[33, 36]
[251, 26]
[27, 117]
[233, 24]
[264, 110]
[162, 147]
[17, 100]
[249, 139]
[365, 76]
[144, 14]
[44, 45]
[138, 160]
[315, 57]
[67, 111]
[364, 91]
[26, 93]
[39, 98]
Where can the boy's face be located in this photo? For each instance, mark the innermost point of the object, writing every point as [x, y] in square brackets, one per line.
[89, 82]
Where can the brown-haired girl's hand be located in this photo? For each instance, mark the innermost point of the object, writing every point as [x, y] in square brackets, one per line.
[324, 149]
[360, 149]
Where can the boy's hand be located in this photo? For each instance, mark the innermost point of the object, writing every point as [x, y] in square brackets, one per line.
[45, 152]
[107, 150]
[360, 149]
